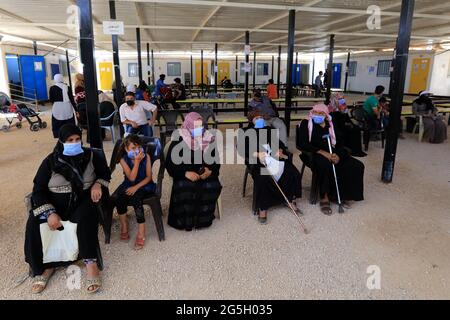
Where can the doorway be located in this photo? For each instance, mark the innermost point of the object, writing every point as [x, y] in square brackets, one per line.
[419, 75]
[198, 73]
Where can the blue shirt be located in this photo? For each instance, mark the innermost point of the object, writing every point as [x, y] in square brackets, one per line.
[142, 174]
[159, 84]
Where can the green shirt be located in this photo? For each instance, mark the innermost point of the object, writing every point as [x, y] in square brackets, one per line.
[369, 104]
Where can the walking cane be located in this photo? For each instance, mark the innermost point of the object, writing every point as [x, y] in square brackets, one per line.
[305, 230]
[341, 207]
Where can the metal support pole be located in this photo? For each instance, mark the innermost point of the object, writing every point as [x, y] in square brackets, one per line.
[237, 69]
[153, 69]
[346, 71]
[35, 48]
[192, 72]
[273, 62]
[330, 71]
[247, 42]
[68, 71]
[201, 70]
[89, 70]
[148, 63]
[290, 58]
[279, 71]
[138, 47]
[397, 84]
[115, 46]
[215, 68]
[254, 70]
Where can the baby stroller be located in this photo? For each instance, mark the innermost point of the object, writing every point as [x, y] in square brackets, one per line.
[8, 111]
[32, 117]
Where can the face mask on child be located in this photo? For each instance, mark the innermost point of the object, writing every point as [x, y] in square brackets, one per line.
[260, 123]
[318, 119]
[72, 149]
[197, 132]
[133, 153]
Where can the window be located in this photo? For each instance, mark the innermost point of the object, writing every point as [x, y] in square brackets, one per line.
[63, 68]
[242, 72]
[384, 68]
[352, 68]
[174, 69]
[262, 69]
[133, 70]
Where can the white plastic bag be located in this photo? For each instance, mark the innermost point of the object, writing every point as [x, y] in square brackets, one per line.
[57, 245]
[274, 166]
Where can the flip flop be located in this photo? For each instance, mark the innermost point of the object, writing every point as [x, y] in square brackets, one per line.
[93, 282]
[325, 208]
[139, 243]
[41, 283]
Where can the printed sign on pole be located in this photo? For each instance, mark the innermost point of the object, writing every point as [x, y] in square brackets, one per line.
[113, 27]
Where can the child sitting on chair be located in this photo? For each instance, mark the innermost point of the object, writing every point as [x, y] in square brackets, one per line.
[137, 185]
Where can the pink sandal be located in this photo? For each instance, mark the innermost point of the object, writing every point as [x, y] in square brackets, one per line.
[139, 243]
[124, 236]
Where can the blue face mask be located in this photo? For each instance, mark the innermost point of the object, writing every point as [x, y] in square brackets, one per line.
[197, 132]
[133, 153]
[260, 123]
[318, 119]
[72, 149]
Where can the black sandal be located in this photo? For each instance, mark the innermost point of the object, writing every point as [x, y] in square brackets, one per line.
[262, 220]
[297, 210]
[325, 208]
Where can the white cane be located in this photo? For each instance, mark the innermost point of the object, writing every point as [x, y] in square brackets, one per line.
[305, 230]
[341, 208]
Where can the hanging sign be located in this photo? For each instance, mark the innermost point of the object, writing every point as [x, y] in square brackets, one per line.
[247, 67]
[113, 27]
[247, 49]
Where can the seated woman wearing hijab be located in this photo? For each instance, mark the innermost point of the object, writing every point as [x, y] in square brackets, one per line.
[311, 138]
[193, 163]
[263, 154]
[344, 127]
[435, 129]
[64, 105]
[67, 186]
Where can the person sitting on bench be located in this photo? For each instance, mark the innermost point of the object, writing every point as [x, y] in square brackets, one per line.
[269, 112]
[133, 116]
[372, 108]
[350, 172]
[435, 129]
[257, 156]
[344, 126]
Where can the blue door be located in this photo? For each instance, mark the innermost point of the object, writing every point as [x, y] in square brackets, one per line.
[337, 68]
[14, 80]
[296, 74]
[34, 77]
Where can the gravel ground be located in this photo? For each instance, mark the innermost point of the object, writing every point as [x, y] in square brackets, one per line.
[404, 228]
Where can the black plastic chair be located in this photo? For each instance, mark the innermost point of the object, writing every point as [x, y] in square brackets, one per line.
[82, 112]
[170, 118]
[107, 118]
[360, 116]
[207, 113]
[155, 150]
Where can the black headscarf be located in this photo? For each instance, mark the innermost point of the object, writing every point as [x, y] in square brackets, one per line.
[426, 100]
[70, 167]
